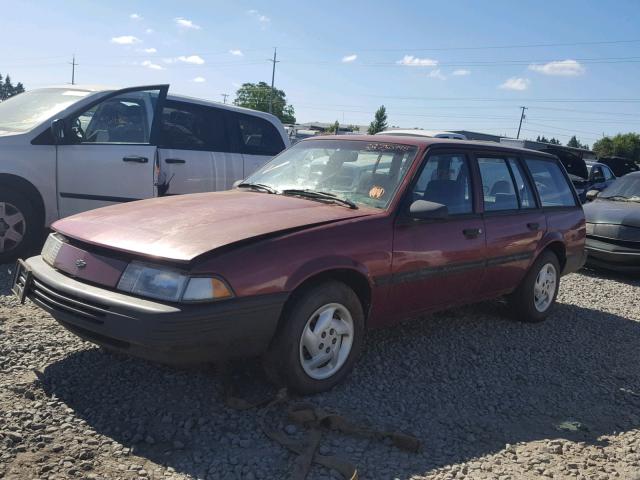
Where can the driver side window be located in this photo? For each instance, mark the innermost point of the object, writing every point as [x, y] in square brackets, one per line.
[125, 118]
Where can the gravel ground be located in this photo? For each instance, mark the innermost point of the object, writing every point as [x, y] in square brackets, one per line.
[488, 398]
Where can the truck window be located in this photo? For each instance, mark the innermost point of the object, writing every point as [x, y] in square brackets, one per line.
[188, 126]
[257, 135]
[552, 186]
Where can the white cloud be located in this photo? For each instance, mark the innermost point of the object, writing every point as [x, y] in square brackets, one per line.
[437, 74]
[195, 59]
[135, 16]
[259, 16]
[186, 24]
[515, 83]
[349, 58]
[461, 72]
[125, 40]
[149, 50]
[411, 61]
[151, 65]
[148, 31]
[199, 80]
[236, 52]
[563, 68]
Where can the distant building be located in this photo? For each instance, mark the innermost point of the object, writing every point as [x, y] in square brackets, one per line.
[486, 137]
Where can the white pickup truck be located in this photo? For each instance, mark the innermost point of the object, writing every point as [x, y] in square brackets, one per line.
[68, 149]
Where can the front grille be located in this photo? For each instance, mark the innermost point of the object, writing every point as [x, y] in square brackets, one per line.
[615, 241]
[63, 302]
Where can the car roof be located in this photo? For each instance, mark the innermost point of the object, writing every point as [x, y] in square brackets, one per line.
[424, 142]
[418, 132]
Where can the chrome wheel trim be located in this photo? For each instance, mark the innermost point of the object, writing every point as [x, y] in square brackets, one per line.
[326, 341]
[13, 227]
[544, 287]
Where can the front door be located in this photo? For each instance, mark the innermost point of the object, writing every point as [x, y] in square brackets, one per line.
[109, 154]
[514, 224]
[439, 263]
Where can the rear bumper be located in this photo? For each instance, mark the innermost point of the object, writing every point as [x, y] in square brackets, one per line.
[613, 257]
[167, 333]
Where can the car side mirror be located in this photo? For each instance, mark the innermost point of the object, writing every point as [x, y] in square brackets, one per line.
[424, 210]
[57, 131]
[592, 194]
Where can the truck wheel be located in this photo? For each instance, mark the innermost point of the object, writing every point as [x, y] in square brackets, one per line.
[319, 339]
[534, 298]
[18, 225]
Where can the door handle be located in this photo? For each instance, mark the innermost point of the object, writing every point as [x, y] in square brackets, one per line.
[472, 232]
[175, 160]
[533, 226]
[135, 159]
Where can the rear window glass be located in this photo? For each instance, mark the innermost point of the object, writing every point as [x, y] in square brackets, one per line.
[187, 126]
[258, 136]
[552, 185]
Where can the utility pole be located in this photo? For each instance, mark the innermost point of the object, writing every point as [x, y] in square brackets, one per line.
[73, 70]
[273, 77]
[521, 118]
[224, 97]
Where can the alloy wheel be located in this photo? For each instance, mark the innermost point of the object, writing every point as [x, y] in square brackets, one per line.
[544, 288]
[12, 227]
[326, 341]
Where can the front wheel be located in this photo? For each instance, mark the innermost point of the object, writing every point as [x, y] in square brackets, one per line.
[18, 228]
[536, 295]
[319, 339]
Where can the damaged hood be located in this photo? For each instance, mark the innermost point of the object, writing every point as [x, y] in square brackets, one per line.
[183, 227]
[612, 212]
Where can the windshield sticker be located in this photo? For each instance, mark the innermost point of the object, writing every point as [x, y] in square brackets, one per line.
[376, 192]
[387, 147]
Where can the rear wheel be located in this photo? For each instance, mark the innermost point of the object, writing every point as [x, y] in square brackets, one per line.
[536, 295]
[319, 340]
[18, 229]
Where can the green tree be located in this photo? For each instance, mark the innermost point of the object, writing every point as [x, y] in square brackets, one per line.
[333, 128]
[575, 143]
[256, 96]
[554, 141]
[623, 144]
[7, 89]
[379, 122]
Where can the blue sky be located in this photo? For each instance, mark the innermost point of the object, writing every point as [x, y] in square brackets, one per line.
[574, 64]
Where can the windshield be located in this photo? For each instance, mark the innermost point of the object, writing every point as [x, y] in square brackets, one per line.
[625, 188]
[366, 173]
[27, 110]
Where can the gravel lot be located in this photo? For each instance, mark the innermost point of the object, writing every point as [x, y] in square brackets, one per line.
[489, 398]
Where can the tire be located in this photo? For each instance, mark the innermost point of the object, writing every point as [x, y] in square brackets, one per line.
[528, 305]
[338, 339]
[19, 229]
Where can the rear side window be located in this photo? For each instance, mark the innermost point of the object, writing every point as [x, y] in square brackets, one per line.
[497, 185]
[527, 198]
[552, 186]
[187, 126]
[257, 135]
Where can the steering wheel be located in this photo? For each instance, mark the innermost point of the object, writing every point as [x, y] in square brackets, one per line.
[77, 130]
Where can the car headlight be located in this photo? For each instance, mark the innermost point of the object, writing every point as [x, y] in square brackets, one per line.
[171, 285]
[52, 247]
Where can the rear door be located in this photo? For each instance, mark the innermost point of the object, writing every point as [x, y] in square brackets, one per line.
[256, 138]
[513, 221]
[439, 262]
[110, 152]
[195, 151]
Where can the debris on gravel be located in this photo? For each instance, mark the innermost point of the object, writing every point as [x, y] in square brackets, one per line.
[487, 398]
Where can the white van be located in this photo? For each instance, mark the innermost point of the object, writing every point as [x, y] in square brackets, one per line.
[68, 149]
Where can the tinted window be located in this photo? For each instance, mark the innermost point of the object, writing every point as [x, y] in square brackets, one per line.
[445, 180]
[125, 118]
[552, 186]
[527, 198]
[188, 126]
[497, 185]
[258, 136]
[608, 174]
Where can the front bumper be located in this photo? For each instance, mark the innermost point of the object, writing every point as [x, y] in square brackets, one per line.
[167, 333]
[613, 257]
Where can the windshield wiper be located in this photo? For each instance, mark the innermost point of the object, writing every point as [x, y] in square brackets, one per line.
[324, 196]
[261, 187]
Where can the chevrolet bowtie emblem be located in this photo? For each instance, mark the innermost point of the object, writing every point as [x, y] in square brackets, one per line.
[81, 263]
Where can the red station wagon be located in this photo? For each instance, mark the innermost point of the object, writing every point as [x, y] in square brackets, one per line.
[334, 236]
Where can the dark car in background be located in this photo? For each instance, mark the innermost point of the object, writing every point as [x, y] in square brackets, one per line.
[613, 226]
[600, 176]
[620, 165]
[333, 236]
